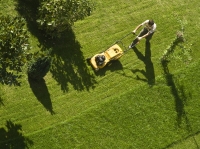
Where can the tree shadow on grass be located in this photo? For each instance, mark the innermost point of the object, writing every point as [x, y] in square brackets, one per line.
[179, 94]
[41, 92]
[12, 137]
[180, 98]
[28, 9]
[68, 64]
[1, 101]
[177, 89]
[149, 68]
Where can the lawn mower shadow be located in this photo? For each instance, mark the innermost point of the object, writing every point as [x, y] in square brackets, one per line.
[112, 66]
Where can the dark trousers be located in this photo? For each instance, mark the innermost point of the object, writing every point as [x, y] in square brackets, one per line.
[145, 31]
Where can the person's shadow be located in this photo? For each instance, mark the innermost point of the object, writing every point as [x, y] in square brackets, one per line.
[149, 68]
[12, 137]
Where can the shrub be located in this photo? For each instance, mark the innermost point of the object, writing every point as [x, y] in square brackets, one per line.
[55, 16]
[14, 45]
[39, 67]
[14, 48]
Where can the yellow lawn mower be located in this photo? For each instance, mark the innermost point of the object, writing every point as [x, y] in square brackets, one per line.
[114, 52]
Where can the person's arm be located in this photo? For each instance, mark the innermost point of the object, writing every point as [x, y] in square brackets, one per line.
[134, 31]
[144, 36]
[150, 32]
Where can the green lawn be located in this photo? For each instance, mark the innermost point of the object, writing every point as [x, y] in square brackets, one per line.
[119, 106]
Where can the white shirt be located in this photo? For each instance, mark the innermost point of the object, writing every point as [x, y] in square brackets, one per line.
[151, 29]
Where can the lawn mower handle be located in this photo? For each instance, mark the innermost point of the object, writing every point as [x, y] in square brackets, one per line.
[126, 35]
[120, 40]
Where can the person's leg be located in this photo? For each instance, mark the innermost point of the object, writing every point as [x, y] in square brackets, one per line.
[143, 32]
[135, 41]
[148, 38]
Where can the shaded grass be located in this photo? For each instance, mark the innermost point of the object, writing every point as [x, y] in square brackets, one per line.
[68, 65]
[140, 118]
[41, 92]
[149, 68]
[114, 108]
[11, 137]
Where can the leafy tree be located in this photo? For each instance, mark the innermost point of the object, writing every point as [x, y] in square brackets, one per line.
[55, 16]
[39, 66]
[14, 47]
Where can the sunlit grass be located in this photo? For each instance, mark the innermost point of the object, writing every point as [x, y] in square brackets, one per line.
[119, 109]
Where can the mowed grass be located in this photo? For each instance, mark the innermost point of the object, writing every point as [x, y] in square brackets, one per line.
[116, 107]
[139, 118]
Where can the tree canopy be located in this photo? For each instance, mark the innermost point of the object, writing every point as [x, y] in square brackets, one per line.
[14, 48]
[55, 16]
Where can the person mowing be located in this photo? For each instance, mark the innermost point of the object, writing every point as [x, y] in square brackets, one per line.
[147, 32]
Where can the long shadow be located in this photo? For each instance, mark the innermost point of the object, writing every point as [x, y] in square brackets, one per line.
[180, 99]
[28, 9]
[41, 92]
[149, 68]
[68, 65]
[179, 102]
[12, 137]
[178, 92]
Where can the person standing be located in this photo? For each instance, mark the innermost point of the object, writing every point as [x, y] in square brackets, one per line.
[147, 32]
